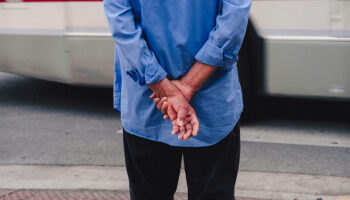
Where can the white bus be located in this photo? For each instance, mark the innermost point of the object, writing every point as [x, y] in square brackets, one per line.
[292, 47]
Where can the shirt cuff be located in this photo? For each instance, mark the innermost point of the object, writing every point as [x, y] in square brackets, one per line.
[211, 54]
[154, 73]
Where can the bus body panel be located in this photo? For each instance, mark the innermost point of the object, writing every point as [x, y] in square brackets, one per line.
[67, 42]
[306, 51]
[306, 47]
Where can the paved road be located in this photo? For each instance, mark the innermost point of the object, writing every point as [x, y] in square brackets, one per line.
[55, 124]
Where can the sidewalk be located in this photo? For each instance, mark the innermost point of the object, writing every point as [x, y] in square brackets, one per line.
[77, 195]
[36, 182]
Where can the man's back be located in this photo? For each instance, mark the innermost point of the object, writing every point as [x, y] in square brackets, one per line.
[165, 38]
[176, 30]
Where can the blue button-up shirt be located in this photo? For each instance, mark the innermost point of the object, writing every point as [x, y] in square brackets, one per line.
[164, 38]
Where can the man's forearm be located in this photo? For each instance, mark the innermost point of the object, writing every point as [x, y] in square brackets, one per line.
[197, 75]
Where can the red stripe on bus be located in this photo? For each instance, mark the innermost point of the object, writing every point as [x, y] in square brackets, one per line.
[55, 0]
[1, 1]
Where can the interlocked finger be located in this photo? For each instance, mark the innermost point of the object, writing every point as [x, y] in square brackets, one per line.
[182, 132]
[176, 128]
[164, 107]
[195, 125]
[160, 103]
[156, 100]
[188, 131]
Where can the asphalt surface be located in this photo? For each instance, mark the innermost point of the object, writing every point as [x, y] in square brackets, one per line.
[56, 124]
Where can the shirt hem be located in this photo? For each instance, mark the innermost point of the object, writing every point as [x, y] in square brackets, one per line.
[181, 143]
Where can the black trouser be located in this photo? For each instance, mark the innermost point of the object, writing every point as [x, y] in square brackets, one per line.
[153, 168]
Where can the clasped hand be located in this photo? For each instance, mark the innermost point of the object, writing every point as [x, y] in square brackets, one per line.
[173, 97]
[175, 106]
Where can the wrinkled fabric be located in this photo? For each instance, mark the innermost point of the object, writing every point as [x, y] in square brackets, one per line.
[155, 39]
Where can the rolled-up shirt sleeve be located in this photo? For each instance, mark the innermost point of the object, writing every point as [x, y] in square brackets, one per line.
[225, 39]
[142, 64]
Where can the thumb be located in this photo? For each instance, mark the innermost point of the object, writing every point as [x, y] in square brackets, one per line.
[181, 116]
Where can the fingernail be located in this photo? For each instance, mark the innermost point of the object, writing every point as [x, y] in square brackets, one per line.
[181, 123]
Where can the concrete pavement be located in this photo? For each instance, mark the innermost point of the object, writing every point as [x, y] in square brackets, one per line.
[250, 184]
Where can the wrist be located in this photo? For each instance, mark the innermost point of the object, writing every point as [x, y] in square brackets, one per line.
[197, 75]
[191, 88]
[164, 88]
[189, 80]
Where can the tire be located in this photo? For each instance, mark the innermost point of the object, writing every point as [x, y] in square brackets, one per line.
[250, 70]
